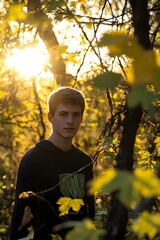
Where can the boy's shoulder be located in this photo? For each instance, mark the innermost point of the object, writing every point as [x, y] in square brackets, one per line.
[37, 152]
[82, 154]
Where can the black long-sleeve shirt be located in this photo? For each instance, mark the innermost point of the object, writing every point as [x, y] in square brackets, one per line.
[42, 168]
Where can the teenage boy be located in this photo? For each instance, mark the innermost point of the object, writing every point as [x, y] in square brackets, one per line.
[52, 169]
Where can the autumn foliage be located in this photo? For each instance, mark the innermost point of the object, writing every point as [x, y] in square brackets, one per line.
[105, 50]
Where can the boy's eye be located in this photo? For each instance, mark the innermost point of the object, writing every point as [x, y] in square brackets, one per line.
[77, 114]
[63, 114]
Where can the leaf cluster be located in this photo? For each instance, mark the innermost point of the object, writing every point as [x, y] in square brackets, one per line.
[130, 188]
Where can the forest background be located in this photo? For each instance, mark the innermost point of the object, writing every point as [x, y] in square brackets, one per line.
[110, 51]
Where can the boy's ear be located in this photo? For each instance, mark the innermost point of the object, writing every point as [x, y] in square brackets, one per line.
[50, 117]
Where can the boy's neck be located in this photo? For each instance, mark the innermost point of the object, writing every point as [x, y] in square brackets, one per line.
[64, 144]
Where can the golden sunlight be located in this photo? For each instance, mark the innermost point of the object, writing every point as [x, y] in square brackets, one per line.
[28, 61]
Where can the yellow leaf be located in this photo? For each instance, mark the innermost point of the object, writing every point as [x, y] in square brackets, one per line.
[146, 182]
[103, 179]
[64, 203]
[143, 67]
[144, 62]
[26, 194]
[17, 13]
[76, 204]
[147, 224]
[67, 203]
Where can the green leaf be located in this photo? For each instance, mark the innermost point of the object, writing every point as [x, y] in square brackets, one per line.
[85, 230]
[123, 183]
[114, 38]
[54, 4]
[119, 43]
[107, 80]
[140, 95]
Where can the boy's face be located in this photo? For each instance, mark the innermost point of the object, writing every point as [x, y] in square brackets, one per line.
[66, 120]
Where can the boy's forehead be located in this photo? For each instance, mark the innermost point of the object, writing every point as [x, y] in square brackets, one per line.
[69, 107]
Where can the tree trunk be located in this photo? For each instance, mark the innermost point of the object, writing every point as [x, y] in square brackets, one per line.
[118, 215]
[46, 33]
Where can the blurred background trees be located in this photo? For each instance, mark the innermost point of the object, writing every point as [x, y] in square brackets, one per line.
[75, 52]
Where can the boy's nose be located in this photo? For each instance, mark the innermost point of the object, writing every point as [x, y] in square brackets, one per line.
[70, 118]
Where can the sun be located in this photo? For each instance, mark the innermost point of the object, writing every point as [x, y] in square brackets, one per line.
[29, 61]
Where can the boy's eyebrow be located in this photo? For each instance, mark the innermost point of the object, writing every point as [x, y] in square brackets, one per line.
[63, 111]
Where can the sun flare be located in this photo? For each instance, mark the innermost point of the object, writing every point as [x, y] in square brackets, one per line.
[29, 61]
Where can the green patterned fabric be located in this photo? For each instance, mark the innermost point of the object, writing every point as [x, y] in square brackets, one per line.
[72, 185]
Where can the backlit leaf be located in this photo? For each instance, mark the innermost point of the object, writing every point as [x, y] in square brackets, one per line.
[17, 13]
[147, 224]
[115, 180]
[146, 182]
[130, 187]
[107, 80]
[140, 95]
[120, 43]
[98, 183]
[144, 68]
[54, 4]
